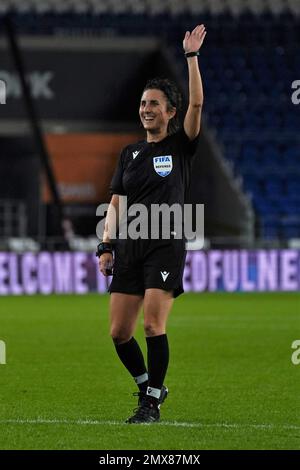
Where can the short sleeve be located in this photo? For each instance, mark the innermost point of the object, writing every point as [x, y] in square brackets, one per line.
[116, 185]
[188, 146]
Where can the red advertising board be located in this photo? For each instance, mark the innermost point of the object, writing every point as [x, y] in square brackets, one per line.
[83, 164]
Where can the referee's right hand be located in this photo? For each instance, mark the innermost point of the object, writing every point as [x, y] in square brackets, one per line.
[106, 264]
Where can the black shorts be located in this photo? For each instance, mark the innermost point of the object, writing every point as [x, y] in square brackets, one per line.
[144, 264]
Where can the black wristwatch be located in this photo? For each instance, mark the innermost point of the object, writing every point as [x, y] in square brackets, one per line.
[104, 248]
[191, 54]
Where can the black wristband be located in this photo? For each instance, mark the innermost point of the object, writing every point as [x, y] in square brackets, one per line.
[104, 248]
[191, 54]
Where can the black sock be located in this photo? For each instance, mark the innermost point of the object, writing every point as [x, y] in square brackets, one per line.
[143, 386]
[158, 360]
[133, 359]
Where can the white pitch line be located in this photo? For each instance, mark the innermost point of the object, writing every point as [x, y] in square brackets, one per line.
[86, 422]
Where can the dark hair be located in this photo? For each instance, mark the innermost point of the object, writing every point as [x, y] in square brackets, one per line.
[173, 96]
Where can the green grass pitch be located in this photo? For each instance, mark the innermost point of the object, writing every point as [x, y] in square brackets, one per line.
[232, 383]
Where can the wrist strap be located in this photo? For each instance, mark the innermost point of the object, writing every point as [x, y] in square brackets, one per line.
[191, 54]
[104, 248]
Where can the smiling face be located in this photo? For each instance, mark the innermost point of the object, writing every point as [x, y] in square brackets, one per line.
[154, 111]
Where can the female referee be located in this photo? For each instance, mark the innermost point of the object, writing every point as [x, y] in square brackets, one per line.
[149, 271]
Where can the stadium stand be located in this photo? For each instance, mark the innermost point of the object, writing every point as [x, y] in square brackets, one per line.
[248, 66]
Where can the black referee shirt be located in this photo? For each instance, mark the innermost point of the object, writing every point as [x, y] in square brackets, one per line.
[155, 172]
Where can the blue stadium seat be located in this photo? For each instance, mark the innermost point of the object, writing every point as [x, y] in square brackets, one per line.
[247, 82]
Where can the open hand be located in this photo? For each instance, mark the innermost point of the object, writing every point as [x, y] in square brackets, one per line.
[194, 40]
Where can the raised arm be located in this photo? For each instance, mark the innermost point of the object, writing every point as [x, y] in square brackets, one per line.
[192, 43]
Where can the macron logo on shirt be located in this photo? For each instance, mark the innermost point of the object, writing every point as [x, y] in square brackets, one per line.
[164, 275]
[135, 154]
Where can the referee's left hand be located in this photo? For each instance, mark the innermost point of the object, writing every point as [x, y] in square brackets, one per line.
[194, 40]
[106, 264]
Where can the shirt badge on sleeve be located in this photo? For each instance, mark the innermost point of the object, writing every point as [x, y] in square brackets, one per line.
[163, 165]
